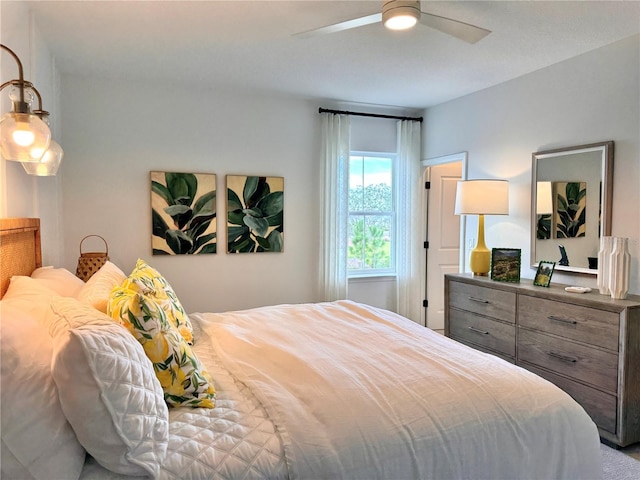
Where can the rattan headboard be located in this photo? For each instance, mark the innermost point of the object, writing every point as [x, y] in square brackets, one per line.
[20, 252]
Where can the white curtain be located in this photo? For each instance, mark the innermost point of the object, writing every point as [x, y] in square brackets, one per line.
[409, 224]
[334, 192]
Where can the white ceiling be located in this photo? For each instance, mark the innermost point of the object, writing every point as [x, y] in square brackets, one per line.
[220, 44]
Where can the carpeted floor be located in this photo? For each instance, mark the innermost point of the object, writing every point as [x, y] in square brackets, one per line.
[620, 464]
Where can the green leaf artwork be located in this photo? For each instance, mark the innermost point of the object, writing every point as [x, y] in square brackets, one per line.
[543, 227]
[255, 214]
[570, 216]
[183, 213]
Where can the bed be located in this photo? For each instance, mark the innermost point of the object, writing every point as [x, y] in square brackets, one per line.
[309, 391]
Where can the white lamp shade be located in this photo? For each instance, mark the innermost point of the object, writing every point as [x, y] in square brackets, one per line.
[482, 197]
[23, 137]
[49, 163]
[544, 200]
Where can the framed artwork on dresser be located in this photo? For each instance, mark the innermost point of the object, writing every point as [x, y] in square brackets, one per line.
[544, 273]
[505, 264]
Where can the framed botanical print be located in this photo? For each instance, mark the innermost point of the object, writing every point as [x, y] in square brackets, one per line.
[183, 212]
[255, 214]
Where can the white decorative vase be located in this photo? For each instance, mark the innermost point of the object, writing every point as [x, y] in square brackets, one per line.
[604, 259]
[619, 268]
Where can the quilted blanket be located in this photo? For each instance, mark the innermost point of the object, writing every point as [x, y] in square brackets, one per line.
[360, 393]
[235, 440]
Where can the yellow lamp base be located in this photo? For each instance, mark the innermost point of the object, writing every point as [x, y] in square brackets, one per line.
[480, 261]
[480, 256]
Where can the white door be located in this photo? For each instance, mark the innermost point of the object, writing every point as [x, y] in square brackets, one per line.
[443, 235]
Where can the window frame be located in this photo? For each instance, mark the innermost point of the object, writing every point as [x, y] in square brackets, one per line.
[392, 215]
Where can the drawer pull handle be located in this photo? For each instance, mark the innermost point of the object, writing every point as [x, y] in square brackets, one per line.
[562, 320]
[564, 358]
[477, 330]
[479, 300]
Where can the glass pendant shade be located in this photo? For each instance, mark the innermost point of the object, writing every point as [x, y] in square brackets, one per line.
[49, 163]
[23, 137]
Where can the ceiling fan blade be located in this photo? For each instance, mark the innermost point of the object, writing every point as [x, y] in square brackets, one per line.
[338, 27]
[464, 31]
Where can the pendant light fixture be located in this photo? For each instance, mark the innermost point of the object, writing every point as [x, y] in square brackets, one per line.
[25, 135]
[50, 161]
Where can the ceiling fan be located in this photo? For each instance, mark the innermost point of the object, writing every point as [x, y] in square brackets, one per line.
[404, 14]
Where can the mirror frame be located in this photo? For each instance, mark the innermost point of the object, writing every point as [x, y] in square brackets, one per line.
[606, 195]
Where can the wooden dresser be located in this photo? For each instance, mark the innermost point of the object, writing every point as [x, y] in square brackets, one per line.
[587, 344]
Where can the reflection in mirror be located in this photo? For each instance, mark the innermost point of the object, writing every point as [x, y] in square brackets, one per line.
[571, 205]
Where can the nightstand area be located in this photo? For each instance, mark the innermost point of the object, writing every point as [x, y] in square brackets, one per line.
[587, 344]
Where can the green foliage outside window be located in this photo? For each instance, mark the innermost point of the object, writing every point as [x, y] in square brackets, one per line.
[370, 227]
[370, 249]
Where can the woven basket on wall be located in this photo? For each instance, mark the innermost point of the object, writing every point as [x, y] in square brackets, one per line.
[90, 262]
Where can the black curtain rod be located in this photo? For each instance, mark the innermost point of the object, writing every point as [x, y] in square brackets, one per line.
[360, 114]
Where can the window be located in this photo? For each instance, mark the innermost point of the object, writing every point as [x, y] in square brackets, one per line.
[371, 237]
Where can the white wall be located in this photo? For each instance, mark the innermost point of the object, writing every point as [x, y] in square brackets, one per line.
[114, 133]
[117, 132]
[591, 98]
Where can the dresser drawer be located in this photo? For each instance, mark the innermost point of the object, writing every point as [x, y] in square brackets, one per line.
[480, 348]
[471, 328]
[600, 406]
[583, 363]
[485, 301]
[584, 324]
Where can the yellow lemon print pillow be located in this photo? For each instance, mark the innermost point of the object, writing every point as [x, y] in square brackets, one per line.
[184, 380]
[147, 280]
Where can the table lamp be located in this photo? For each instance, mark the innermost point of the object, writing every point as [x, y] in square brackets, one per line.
[482, 197]
[544, 209]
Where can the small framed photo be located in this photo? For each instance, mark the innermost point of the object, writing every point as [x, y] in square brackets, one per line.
[505, 264]
[543, 274]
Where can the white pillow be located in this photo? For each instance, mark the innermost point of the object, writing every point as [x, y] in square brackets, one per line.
[60, 280]
[97, 289]
[11, 466]
[31, 296]
[37, 440]
[108, 390]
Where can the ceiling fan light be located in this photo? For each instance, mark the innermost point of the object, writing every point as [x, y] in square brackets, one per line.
[401, 22]
[400, 15]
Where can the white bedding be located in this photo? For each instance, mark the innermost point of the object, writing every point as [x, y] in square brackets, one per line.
[358, 392]
[332, 390]
[234, 440]
[342, 390]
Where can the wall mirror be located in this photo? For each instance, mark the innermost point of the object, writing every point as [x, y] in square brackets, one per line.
[571, 199]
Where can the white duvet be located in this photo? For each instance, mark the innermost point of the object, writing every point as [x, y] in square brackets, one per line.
[344, 390]
[362, 393]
